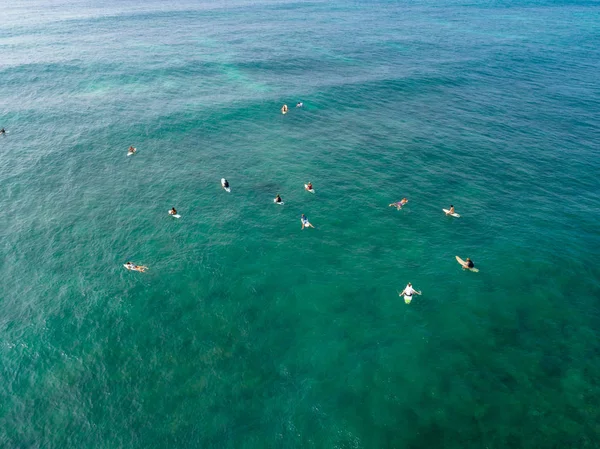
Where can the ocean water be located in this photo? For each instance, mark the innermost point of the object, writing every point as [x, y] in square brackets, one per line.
[246, 332]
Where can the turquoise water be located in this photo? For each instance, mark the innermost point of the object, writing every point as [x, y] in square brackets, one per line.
[247, 332]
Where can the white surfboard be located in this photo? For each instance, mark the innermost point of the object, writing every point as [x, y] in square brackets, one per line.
[462, 262]
[174, 215]
[280, 203]
[227, 189]
[447, 211]
[306, 188]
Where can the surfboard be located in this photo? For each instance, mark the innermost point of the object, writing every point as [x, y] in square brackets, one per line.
[131, 154]
[462, 262]
[175, 215]
[311, 190]
[407, 299]
[281, 202]
[447, 211]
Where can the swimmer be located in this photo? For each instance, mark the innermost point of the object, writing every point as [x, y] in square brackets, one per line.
[309, 186]
[284, 109]
[408, 292]
[278, 199]
[172, 211]
[305, 222]
[131, 150]
[451, 211]
[399, 204]
[299, 104]
[468, 265]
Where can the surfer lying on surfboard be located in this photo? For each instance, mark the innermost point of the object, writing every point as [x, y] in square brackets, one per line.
[399, 204]
[305, 222]
[408, 292]
[134, 267]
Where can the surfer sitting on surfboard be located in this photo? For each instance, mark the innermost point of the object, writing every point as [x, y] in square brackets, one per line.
[408, 292]
[225, 183]
[468, 264]
[451, 210]
[173, 211]
[131, 150]
[399, 204]
[278, 199]
[309, 186]
[305, 222]
[2, 131]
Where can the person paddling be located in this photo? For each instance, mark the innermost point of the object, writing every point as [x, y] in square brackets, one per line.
[284, 109]
[399, 204]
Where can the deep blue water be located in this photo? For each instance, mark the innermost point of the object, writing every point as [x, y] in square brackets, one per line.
[246, 331]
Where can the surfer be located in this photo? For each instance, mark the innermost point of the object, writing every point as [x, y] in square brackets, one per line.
[172, 211]
[131, 150]
[299, 104]
[309, 186]
[2, 131]
[225, 183]
[305, 222]
[408, 292]
[399, 204]
[468, 265]
[132, 266]
[284, 109]
[451, 211]
[278, 199]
